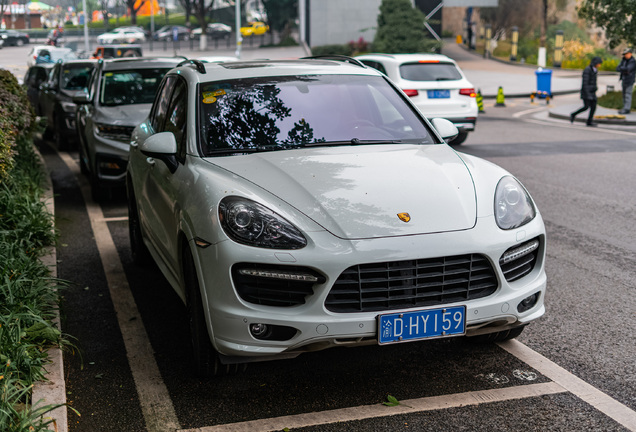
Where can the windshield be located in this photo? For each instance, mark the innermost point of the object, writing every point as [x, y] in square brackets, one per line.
[275, 113]
[429, 72]
[130, 86]
[75, 77]
[62, 55]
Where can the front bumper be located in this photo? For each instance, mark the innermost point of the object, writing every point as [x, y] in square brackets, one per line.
[316, 327]
[110, 159]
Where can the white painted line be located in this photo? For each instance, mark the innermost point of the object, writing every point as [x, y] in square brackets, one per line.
[364, 412]
[575, 385]
[529, 111]
[156, 405]
[114, 219]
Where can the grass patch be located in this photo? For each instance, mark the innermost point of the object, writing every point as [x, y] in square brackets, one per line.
[614, 100]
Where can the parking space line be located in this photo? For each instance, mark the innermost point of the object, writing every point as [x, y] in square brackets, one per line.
[575, 385]
[156, 405]
[114, 219]
[409, 406]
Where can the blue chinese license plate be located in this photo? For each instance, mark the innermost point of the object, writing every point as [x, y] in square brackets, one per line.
[438, 94]
[422, 324]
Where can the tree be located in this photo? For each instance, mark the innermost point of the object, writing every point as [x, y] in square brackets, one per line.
[615, 17]
[187, 7]
[281, 15]
[401, 29]
[133, 10]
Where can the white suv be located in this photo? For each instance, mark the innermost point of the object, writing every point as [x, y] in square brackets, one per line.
[298, 205]
[434, 83]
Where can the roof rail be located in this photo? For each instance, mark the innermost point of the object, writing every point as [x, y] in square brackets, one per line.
[342, 58]
[200, 67]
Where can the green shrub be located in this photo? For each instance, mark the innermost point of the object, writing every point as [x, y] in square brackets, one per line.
[16, 115]
[332, 50]
[27, 292]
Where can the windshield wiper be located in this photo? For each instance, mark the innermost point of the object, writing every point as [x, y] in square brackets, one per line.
[352, 141]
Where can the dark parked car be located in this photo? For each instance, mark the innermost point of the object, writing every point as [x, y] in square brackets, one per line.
[14, 37]
[167, 33]
[36, 76]
[117, 51]
[214, 31]
[56, 99]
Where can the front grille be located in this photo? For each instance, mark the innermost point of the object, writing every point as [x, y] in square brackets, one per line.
[115, 132]
[271, 291]
[524, 257]
[414, 283]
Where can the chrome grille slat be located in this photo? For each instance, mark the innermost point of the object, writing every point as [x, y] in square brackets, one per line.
[404, 284]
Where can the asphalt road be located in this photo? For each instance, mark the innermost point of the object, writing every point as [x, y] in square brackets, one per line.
[583, 182]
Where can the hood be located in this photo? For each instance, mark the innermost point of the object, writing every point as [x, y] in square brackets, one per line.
[125, 115]
[358, 192]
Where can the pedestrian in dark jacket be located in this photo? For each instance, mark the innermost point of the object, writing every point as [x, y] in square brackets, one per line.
[588, 91]
[627, 68]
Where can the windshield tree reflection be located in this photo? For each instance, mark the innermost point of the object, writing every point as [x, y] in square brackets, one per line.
[293, 111]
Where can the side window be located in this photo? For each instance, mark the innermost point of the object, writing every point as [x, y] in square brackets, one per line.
[176, 118]
[55, 76]
[160, 107]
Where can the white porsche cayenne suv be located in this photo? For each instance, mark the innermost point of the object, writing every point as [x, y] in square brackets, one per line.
[303, 204]
[435, 84]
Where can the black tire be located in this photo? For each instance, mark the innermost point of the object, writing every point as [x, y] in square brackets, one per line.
[206, 360]
[498, 336]
[82, 162]
[61, 142]
[461, 137]
[98, 192]
[138, 250]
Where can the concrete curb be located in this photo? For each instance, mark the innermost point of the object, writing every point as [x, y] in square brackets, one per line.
[52, 390]
[619, 122]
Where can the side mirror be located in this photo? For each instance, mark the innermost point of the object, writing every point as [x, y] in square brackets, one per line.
[81, 98]
[445, 128]
[162, 146]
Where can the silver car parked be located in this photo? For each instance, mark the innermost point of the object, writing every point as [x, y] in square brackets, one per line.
[119, 97]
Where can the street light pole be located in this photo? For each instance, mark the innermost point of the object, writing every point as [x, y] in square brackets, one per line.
[86, 44]
[239, 36]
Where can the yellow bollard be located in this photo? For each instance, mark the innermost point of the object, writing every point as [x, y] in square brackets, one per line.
[459, 39]
[480, 101]
[500, 98]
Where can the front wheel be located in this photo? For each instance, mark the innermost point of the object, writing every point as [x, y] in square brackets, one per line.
[138, 249]
[206, 360]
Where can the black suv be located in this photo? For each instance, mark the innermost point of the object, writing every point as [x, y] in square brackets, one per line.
[56, 99]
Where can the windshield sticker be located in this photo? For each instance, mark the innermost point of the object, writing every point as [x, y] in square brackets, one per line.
[108, 74]
[209, 100]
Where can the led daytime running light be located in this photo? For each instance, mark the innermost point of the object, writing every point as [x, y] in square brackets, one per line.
[522, 250]
[300, 277]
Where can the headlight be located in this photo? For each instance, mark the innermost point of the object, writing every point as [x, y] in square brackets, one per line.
[69, 107]
[250, 223]
[513, 205]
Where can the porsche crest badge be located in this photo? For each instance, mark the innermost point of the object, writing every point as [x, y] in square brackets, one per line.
[404, 217]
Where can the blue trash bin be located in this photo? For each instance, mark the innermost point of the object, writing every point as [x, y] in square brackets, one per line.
[544, 82]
